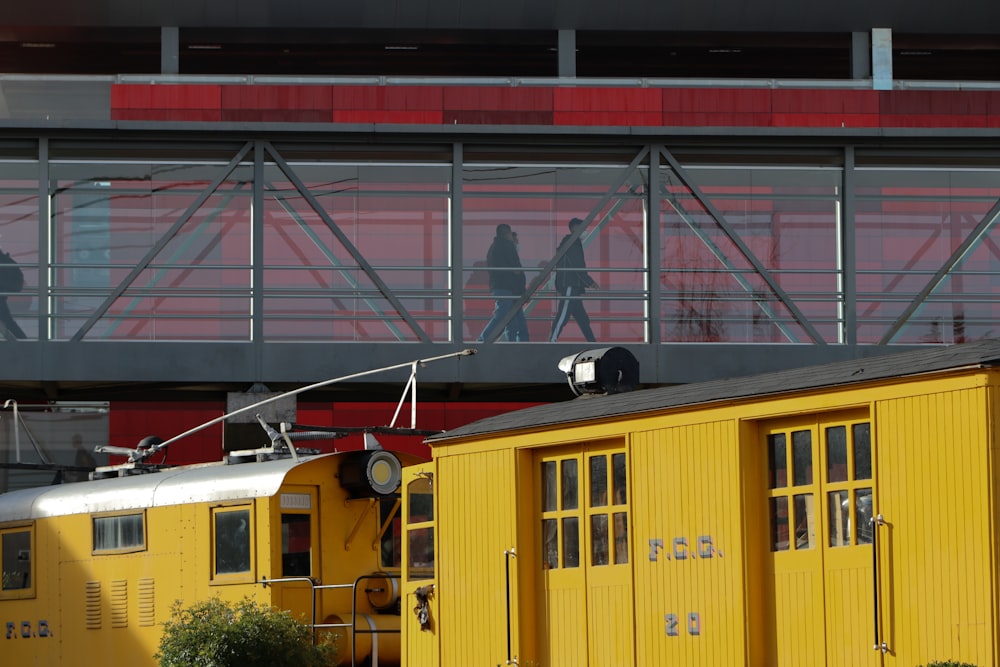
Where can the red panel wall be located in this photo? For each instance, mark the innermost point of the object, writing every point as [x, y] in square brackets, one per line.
[131, 421]
[556, 105]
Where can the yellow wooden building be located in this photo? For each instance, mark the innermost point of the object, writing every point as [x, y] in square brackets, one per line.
[841, 515]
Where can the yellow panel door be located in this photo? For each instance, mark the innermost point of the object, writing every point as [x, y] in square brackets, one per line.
[585, 595]
[819, 505]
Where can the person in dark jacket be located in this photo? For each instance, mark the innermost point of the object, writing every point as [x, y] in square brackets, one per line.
[507, 282]
[572, 280]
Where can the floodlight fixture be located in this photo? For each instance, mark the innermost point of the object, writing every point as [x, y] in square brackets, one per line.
[608, 370]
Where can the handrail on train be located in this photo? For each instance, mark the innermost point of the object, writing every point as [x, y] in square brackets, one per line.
[355, 630]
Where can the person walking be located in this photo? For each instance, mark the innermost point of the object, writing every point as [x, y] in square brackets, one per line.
[11, 282]
[572, 280]
[507, 282]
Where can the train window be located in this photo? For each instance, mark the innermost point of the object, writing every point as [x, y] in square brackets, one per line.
[231, 540]
[862, 450]
[836, 454]
[391, 532]
[119, 533]
[420, 528]
[16, 550]
[296, 545]
[802, 458]
[778, 511]
[805, 521]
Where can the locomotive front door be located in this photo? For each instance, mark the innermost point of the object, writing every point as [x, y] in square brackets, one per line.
[819, 507]
[585, 599]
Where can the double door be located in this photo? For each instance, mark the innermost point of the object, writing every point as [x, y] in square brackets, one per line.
[820, 595]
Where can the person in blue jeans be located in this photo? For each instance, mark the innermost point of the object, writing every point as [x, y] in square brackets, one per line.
[507, 283]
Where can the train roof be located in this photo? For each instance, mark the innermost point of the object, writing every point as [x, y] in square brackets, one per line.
[984, 353]
[174, 486]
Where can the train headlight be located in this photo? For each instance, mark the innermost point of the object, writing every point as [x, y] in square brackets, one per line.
[609, 370]
[370, 473]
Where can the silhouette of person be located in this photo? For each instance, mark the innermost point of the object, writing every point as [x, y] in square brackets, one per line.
[11, 281]
[507, 282]
[572, 280]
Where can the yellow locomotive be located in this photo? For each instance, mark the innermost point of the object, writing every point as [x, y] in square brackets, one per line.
[840, 515]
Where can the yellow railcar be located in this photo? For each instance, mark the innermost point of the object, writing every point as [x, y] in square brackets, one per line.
[91, 569]
[841, 515]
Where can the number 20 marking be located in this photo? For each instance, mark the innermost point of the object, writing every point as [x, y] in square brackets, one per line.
[671, 623]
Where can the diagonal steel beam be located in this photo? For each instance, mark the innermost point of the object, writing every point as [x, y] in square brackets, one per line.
[956, 258]
[543, 275]
[743, 248]
[161, 243]
[351, 249]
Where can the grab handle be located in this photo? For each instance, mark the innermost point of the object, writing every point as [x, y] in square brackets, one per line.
[876, 521]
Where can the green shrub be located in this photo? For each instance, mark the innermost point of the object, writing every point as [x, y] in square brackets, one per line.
[948, 663]
[215, 633]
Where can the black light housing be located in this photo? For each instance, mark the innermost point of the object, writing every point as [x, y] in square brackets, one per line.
[371, 473]
[608, 370]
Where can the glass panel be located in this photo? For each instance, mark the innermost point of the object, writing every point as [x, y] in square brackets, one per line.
[598, 481]
[789, 216]
[538, 202]
[908, 220]
[16, 553]
[621, 537]
[232, 542]
[777, 463]
[839, 519]
[392, 537]
[571, 542]
[862, 451]
[569, 484]
[420, 500]
[836, 454]
[805, 522]
[296, 545]
[599, 539]
[420, 553]
[550, 540]
[863, 514]
[549, 486]
[777, 509]
[620, 480]
[118, 532]
[802, 458]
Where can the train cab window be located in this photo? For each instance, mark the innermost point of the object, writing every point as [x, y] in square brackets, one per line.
[16, 548]
[420, 529]
[296, 545]
[798, 531]
[232, 537]
[119, 534]
[391, 532]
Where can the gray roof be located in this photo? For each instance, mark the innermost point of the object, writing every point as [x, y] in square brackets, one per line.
[890, 365]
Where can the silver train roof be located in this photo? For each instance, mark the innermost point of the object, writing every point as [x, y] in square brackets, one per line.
[175, 486]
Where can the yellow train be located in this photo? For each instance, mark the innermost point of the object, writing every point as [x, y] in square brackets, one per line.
[838, 515]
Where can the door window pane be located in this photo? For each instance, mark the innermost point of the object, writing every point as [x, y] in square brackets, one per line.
[620, 479]
[862, 451]
[836, 454]
[420, 550]
[802, 472]
[598, 481]
[863, 515]
[777, 466]
[805, 522]
[570, 475]
[621, 537]
[296, 545]
[778, 512]
[599, 539]
[571, 542]
[549, 486]
[550, 540]
[839, 518]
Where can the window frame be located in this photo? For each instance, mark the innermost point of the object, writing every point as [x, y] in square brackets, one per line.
[244, 576]
[30, 590]
[132, 548]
